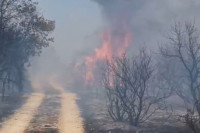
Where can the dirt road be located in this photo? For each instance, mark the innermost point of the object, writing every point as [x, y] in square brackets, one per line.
[21, 119]
[69, 119]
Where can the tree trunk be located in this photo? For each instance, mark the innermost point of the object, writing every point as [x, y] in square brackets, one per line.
[3, 90]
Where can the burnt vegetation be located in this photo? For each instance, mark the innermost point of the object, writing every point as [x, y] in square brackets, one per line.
[183, 49]
[139, 87]
[131, 93]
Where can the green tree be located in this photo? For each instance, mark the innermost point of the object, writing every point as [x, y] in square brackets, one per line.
[23, 33]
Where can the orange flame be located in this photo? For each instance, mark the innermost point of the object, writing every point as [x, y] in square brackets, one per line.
[113, 45]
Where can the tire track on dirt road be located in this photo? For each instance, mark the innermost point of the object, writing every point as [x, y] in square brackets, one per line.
[46, 118]
[21, 119]
[67, 114]
[70, 120]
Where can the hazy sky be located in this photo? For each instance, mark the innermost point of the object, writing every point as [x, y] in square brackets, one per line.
[78, 22]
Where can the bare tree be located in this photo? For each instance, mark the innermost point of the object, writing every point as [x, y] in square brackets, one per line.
[131, 95]
[184, 48]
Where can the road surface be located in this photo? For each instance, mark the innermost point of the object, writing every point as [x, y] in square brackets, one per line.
[21, 119]
[69, 120]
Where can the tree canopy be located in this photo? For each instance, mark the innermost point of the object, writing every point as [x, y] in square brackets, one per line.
[24, 31]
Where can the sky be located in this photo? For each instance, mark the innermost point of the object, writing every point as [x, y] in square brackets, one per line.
[76, 22]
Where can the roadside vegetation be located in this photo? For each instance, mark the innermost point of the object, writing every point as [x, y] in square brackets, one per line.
[23, 33]
[149, 91]
[136, 89]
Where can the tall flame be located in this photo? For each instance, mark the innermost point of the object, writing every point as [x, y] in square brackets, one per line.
[113, 44]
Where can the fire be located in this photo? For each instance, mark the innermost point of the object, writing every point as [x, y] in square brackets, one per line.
[113, 44]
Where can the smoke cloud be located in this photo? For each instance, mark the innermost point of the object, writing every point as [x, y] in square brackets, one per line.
[148, 20]
[117, 15]
[77, 29]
